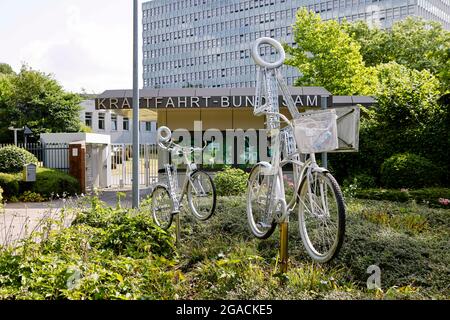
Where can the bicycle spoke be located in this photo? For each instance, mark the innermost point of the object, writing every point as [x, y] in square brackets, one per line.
[201, 196]
[259, 201]
[320, 216]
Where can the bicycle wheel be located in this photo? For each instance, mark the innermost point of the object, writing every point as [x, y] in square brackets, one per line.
[321, 216]
[261, 222]
[162, 207]
[201, 195]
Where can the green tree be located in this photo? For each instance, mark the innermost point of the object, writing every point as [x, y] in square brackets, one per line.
[374, 42]
[407, 118]
[5, 68]
[405, 68]
[406, 97]
[413, 42]
[35, 99]
[328, 57]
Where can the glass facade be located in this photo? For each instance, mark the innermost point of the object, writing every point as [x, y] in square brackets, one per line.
[206, 43]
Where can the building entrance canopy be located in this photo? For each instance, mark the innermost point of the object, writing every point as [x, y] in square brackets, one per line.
[204, 98]
[229, 114]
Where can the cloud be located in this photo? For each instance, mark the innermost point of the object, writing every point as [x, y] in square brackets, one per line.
[86, 49]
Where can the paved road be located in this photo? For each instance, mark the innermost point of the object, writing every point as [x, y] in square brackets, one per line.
[19, 219]
[110, 197]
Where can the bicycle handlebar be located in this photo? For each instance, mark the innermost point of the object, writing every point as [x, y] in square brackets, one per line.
[165, 141]
[263, 63]
[282, 116]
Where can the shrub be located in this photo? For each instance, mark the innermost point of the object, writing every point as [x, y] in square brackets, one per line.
[9, 184]
[29, 196]
[432, 196]
[409, 171]
[51, 181]
[383, 194]
[1, 197]
[361, 181]
[124, 256]
[12, 159]
[231, 182]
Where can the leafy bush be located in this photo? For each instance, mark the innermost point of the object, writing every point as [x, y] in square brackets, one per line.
[409, 171]
[9, 184]
[29, 196]
[1, 197]
[383, 194]
[12, 159]
[132, 235]
[433, 197]
[105, 254]
[231, 182]
[51, 181]
[361, 181]
[407, 119]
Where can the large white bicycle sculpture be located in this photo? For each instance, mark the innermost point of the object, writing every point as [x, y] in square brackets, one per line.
[321, 209]
[198, 186]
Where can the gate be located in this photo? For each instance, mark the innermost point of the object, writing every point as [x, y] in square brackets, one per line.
[122, 164]
[49, 155]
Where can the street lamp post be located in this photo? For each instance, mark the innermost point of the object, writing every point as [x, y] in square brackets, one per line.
[27, 132]
[136, 144]
[15, 133]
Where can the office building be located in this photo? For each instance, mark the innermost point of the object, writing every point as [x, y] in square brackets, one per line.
[117, 123]
[206, 43]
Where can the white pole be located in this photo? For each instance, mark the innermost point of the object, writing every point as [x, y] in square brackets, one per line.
[136, 105]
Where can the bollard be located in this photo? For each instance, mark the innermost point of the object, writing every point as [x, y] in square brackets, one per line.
[178, 230]
[284, 257]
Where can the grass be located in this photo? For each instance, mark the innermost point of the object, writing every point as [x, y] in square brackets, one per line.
[409, 242]
[220, 259]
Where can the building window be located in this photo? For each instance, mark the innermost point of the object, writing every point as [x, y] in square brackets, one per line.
[114, 122]
[148, 126]
[101, 121]
[88, 119]
[126, 124]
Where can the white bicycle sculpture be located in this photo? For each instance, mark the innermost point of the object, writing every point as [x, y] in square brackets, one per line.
[321, 209]
[197, 186]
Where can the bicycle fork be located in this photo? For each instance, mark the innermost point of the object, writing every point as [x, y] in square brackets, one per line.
[173, 187]
[275, 197]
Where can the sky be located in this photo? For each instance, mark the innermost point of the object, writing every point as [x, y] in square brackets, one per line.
[84, 44]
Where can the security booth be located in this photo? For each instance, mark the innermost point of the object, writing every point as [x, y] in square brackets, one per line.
[88, 155]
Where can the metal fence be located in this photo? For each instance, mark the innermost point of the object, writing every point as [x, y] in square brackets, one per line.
[49, 155]
[122, 164]
[56, 156]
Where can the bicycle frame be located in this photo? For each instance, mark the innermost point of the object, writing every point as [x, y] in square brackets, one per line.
[268, 80]
[300, 170]
[311, 182]
[177, 195]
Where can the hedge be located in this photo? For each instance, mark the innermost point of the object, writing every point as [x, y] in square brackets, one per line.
[10, 185]
[54, 182]
[430, 196]
[12, 159]
[231, 182]
[409, 170]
